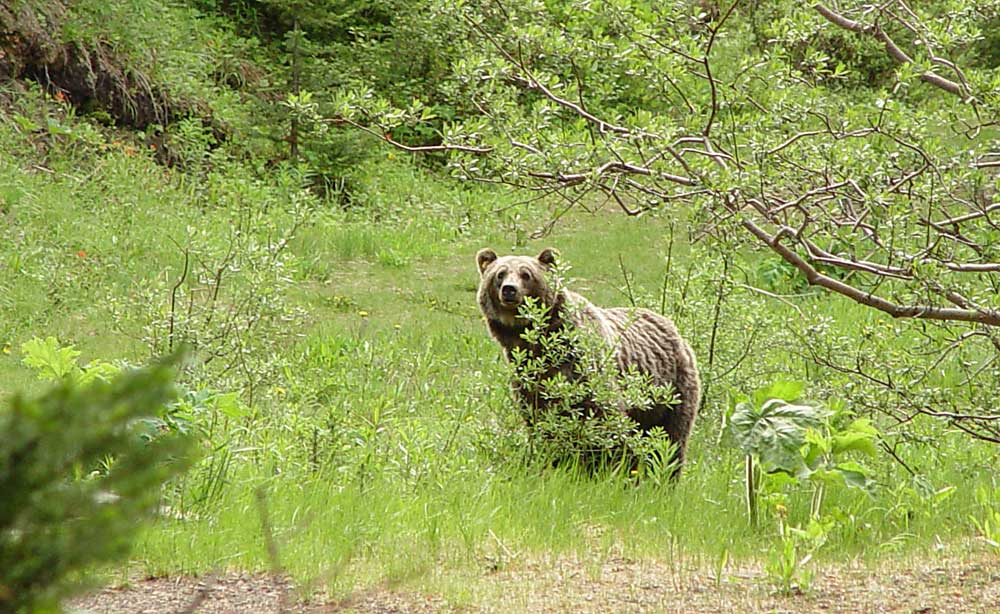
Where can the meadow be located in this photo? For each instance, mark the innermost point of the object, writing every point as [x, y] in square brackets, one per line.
[354, 421]
[381, 428]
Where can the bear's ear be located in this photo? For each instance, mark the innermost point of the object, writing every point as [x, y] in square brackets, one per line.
[485, 258]
[548, 256]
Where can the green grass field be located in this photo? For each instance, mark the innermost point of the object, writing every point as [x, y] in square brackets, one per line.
[374, 411]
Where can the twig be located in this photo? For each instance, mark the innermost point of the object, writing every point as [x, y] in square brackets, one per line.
[713, 109]
[776, 297]
[666, 271]
[412, 148]
[267, 530]
[173, 301]
[628, 283]
[717, 312]
[989, 317]
[892, 452]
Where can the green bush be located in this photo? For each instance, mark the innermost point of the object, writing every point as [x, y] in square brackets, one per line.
[79, 466]
[579, 419]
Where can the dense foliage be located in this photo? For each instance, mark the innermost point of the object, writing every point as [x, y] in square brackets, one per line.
[80, 467]
[866, 169]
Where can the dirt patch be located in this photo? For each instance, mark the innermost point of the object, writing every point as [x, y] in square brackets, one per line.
[629, 586]
[86, 76]
[615, 585]
[210, 594]
[241, 594]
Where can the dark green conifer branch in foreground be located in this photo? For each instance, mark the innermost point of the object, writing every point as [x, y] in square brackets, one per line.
[79, 468]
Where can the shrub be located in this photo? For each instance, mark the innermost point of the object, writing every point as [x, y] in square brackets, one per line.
[78, 468]
[580, 420]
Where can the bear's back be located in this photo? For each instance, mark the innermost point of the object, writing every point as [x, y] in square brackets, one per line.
[647, 341]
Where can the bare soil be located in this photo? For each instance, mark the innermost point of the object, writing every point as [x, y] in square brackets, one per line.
[617, 585]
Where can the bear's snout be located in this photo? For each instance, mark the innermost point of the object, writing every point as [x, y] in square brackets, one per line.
[508, 293]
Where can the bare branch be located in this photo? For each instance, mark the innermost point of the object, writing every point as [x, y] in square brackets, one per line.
[713, 109]
[973, 433]
[532, 82]
[894, 51]
[414, 149]
[773, 295]
[972, 267]
[984, 161]
[989, 317]
[525, 146]
[955, 221]
[625, 168]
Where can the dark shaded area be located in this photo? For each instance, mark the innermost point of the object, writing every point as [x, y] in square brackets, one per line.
[324, 21]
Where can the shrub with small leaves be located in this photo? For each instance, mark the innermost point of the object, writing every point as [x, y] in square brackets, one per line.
[579, 417]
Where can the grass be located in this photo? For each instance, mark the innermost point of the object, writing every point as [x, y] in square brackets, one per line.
[405, 477]
[382, 430]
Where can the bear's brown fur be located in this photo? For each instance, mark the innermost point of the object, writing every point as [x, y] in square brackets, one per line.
[640, 339]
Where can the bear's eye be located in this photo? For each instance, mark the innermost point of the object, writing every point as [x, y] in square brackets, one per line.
[525, 275]
[501, 275]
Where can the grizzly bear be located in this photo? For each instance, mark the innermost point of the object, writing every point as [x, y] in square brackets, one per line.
[637, 339]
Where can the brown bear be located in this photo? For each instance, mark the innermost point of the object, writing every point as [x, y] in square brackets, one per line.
[638, 339]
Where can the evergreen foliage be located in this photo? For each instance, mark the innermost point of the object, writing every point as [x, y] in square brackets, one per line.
[79, 469]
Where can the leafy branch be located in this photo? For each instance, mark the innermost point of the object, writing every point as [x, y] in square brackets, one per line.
[868, 198]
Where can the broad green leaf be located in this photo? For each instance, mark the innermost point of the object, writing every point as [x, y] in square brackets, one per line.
[817, 445]
[859, 436]
[862, 425]
[855, 475]
[860, 442]
[778, 481]
[855, 479]
[785, 391]
[230, 406]
[827, 475]
[51, 361]
[774, 432]
[845, 474]
[98, 370]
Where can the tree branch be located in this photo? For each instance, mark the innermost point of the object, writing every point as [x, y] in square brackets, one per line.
[988, 317]
[532, 82]
[894, 51]
[621, 167]
[412, 148]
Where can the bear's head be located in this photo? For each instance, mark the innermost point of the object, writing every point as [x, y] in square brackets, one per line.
[507, 281]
